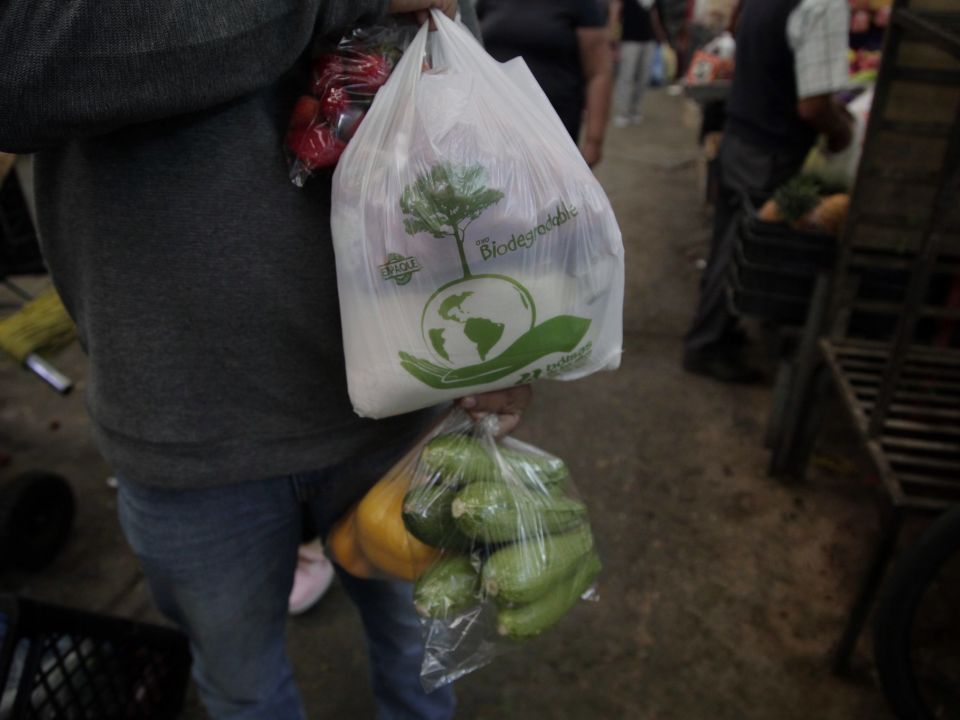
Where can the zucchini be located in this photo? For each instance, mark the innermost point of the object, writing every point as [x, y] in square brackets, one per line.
[528, 570]
[535, 617]
[497, 512]
[460, 459]
[533, 468]
[427, 516]
[448, 587]
[464, 459]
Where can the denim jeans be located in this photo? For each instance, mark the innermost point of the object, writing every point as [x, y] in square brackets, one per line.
[220, 564]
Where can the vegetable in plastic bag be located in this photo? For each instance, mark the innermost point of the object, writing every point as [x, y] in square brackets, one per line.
[493, 533]
[344, 80]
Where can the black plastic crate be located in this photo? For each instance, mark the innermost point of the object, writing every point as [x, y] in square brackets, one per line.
[58, 663]
[781, 309]
[19, 249]
[768, 243]
[779, 279]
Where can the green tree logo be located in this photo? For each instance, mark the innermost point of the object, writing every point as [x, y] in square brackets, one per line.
[444, 201]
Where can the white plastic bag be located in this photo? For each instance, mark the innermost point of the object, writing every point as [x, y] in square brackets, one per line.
[475, 249]
[838, 171]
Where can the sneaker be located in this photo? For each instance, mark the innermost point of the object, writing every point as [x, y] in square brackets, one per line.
[312, 578]
[726, 365]
[636, 119]
[620, 121]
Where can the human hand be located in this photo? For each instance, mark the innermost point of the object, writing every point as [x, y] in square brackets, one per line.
[842, 134]
[840, 139]
[591, 150]
[421, 8]
[508, 404]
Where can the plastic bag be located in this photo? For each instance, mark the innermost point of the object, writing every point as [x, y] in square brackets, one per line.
[838, 171]
[669, 59]
[344, 80]
[475, 250]
[713, 62]
[658, 70]
[493, 532]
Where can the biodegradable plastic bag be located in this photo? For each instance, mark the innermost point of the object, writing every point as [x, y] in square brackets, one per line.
[492, 531]
[475, 250]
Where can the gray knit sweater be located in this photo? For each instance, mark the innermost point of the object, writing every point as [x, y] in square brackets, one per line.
[201, 280]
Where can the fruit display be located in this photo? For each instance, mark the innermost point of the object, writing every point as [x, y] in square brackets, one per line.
[343, 82]
[490, 530]
[868, 21]
[802, 204]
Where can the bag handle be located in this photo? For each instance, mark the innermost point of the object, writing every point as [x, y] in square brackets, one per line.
[455, 47]
[391, 109]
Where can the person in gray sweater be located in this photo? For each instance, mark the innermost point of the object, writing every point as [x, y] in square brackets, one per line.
[203, 288]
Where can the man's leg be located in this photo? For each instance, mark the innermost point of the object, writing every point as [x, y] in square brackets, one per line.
[395, 648]
[394, 638]
[220, 564]
[710, 346]
[644, 66]
[625, 87]
[713, 320]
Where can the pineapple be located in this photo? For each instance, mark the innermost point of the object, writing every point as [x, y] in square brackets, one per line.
[831, 212]
[792, 202]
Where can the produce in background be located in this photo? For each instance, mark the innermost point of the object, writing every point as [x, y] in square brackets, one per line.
[801, 204]
[492, 531]
[344, 80]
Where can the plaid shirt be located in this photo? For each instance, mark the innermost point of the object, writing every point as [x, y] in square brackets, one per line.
[818, 32]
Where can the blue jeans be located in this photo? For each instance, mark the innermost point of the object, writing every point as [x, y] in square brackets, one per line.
[220, 564]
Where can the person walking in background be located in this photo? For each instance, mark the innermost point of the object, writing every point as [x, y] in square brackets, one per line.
[791, 60]
[640, 31]
[567, 48]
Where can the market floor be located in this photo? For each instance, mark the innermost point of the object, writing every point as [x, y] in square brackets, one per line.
[723, 590]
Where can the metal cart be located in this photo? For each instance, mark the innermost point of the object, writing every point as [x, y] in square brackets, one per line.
[882, 323]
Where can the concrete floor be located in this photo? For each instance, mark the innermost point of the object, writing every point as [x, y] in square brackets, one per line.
[723, 590]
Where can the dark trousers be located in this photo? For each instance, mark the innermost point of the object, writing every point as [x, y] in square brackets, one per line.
[745, 170]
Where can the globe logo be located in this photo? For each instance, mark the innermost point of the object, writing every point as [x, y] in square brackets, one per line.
[479, 328]
[474, 319]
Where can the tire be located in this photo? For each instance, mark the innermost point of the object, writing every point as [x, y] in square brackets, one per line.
[895, 618]
[36, 514]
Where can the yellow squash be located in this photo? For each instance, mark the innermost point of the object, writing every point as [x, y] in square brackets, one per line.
[381, 534]
[345, 549]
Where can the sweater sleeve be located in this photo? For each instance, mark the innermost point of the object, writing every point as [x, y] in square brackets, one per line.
[86, 67]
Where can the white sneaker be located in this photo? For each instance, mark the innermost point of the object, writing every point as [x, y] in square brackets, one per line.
[312, 579]
[620, 121]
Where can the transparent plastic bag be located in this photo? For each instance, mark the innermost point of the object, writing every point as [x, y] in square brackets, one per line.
[494, 534]
[475, 249]
[344, 79]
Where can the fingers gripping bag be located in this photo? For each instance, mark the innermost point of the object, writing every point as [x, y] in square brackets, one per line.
[475, 250]
[491, 530]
